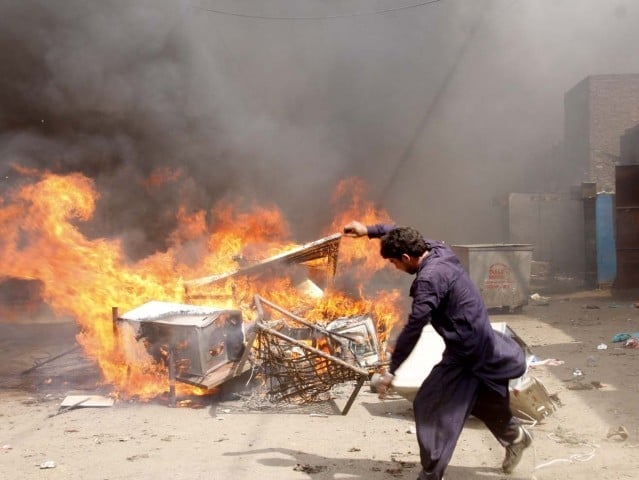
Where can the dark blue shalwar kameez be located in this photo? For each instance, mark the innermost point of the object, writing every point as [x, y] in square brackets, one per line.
[476, 366]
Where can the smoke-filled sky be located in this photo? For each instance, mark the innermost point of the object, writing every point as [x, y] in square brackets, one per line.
[440, 108]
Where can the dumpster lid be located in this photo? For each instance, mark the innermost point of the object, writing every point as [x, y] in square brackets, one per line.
[496, 246]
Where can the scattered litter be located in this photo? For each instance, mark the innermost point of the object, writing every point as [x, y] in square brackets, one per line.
[632, 342]
[536, 299]
[306, 468]
[566, 435]
[551, 362]
[411, 430]
[577, 373]
[395, 472]
[579, 385]
[530, 401]
[323, 415]
[47, 464]
[6, 447]
[619, 431]
[354, 449]
[602, 346]
[137, 457]
[622, 337]
[67, 408]
[73, 401]
[563, 436]
[86, 400]
[409, 460]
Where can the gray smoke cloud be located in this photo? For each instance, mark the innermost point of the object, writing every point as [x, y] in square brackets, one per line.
[441, 108]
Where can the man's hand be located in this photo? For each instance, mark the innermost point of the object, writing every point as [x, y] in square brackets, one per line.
[383, 383]
[355, 229]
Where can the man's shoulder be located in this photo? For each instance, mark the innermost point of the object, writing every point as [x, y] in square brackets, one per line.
[441, 262]
[440, 252]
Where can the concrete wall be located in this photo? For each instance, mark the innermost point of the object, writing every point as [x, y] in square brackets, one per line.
[554, 225]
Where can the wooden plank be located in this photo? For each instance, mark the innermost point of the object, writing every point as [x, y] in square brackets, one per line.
[325, 247]
[80, 400]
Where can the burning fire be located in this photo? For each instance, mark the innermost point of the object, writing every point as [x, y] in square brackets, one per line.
[85, 278]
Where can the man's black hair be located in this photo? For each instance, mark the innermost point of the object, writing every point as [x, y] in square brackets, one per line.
[403, 240]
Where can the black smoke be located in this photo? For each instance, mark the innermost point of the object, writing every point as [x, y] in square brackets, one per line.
[441, 108]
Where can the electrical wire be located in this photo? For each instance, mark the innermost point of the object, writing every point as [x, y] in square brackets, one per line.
[433, 105]
[575, 457]
[326, 17]
[406, 154]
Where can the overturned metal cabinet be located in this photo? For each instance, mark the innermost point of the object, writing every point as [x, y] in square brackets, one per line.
[198, 342]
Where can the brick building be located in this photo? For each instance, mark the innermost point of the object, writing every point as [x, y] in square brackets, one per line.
[597, 112]
[630, 146]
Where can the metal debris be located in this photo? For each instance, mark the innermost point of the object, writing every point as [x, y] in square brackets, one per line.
[296, 371]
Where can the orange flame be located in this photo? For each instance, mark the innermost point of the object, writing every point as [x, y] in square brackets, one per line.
[349, 199]
[85, 277]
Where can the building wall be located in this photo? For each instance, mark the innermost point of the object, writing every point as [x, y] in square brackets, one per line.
[630, 146]
[627, 226]
[598, 111]
[553, 224]
[576, 148]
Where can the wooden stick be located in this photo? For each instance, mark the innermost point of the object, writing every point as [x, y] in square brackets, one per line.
[172, 399]
[70, 407]
[39, 364]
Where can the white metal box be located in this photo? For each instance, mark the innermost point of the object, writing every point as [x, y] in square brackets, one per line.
[529, 399]
[203, 338]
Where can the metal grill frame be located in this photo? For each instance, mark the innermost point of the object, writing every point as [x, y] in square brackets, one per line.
[295, 371]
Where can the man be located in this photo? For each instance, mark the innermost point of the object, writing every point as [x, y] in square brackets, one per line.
[477, 364]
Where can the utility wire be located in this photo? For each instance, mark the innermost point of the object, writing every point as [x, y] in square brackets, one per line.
[326, 17]
[431, 107]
